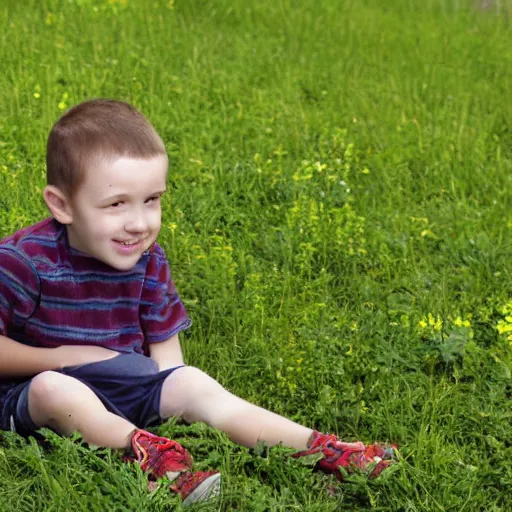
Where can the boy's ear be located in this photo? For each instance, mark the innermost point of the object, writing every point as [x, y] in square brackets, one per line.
[58, 204]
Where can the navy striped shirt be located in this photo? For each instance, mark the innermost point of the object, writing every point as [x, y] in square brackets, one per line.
[52, 295]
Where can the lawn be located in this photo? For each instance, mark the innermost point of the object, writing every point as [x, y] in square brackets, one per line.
[339, 225]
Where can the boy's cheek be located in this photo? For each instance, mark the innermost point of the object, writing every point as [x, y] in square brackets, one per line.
[106, 225]
[155, 222]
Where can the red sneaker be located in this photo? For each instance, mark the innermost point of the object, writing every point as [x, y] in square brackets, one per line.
[198, 486]
[336, 454]
[160, 456]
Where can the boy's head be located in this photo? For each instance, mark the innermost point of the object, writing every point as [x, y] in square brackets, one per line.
[106, 171]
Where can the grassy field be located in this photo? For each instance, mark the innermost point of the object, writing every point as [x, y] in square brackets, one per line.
[339, 227]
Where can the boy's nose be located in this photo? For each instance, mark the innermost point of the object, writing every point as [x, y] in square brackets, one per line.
[136, 223]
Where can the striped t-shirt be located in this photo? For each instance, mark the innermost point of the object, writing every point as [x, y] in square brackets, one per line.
[52, 295]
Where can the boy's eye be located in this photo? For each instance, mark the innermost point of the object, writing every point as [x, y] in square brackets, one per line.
[152, 199]
[116, 204]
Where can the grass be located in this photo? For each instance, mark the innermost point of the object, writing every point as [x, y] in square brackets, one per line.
[339, 228]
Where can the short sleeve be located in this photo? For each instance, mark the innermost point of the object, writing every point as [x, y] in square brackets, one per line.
[19, 289]
[162, 314]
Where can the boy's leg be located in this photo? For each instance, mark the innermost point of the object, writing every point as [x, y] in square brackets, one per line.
[192, 394]
[67, 405]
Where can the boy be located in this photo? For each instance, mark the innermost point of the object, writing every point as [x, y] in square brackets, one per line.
[90, 317]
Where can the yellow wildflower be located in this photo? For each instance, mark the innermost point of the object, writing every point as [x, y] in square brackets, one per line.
[422, 220]
[503, 327]
[320, 167]
[435, 323]
[427, 233]
[63, 102]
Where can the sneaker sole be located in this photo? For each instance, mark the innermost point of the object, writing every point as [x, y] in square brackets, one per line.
[206, 490]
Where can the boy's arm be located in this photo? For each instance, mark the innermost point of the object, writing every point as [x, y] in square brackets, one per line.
[162, 314]
[19, 360]
[19, 297]
[168, 353]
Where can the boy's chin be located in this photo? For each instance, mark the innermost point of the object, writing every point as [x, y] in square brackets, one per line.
[121, 264]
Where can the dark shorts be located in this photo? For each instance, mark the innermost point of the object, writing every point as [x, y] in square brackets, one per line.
[129, 385]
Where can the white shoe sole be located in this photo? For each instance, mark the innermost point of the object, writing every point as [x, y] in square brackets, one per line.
[206, 490]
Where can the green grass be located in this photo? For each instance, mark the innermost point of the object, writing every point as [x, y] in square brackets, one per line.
[339, 171]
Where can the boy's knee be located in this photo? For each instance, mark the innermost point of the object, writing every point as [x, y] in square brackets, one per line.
[48, 387]
[192, 394]
[196, 382]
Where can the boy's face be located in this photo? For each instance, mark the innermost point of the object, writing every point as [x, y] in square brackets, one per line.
[116, 214]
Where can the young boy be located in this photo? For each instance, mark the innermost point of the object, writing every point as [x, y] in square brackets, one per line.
[90, 317]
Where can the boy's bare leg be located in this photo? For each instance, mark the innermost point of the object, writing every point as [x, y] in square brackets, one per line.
[190, 393]
[67, 405]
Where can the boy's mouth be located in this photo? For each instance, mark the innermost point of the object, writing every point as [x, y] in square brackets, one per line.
[129, 245]
[128, 242]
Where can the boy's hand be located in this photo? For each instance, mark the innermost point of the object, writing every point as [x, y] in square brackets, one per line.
[82, 354]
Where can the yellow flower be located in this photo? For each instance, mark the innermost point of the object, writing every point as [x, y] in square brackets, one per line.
[435, 323]
[422, 220]
[422, 324]
[320, 167]
[458, 322]
[503, 327]
[428, 233]
[63, 102]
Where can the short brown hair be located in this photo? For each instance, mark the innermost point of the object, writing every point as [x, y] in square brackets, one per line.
[97, 129]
